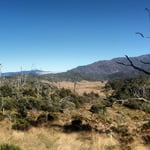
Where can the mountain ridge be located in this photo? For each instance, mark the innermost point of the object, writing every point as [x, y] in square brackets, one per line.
[104, 69]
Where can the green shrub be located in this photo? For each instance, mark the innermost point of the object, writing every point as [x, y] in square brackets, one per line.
[136, 104]
[29, 92]
[100, 107]
[97, 108]
[8, 103]
[64, 92]
[145, 107]
[9, 147]
[6, 91]
[133, 104]
[68, 105]
[21, 124]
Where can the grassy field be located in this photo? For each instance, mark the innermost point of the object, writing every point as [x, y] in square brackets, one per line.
[83, 86]
[49, 139]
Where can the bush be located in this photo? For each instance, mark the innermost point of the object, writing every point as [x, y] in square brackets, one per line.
[136, 104]
[77, 126]
[97, 108]
[68, 105]
[44, 118]
[100, 107]
[133, 104]
[9, 147]
[21, 124]
[64, 93]
[6, 91]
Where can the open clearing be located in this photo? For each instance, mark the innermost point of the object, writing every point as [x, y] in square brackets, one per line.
[83, 86]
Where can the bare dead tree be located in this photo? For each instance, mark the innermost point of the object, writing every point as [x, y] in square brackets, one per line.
[131, 64]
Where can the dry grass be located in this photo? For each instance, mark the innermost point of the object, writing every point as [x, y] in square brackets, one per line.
[50, 139]
[83, 86]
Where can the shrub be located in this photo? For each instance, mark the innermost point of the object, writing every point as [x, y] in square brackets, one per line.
[77, 126]
[9, 147]
[68, 105]
[8, 103]
[44, 118]
[29, 92]
[64, 93]
[100, 107]
[96, 108]
[21, 124]
[136, 104]
[6, 91]
[133, 104]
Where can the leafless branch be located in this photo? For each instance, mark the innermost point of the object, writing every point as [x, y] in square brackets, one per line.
[142, 35]
[148, 63]
[122, 101]
[134, 66]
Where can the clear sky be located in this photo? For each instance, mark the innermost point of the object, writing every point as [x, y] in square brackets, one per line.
[57, 35]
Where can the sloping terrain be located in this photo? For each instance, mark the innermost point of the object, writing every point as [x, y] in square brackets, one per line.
[39, 115]
[102, 70]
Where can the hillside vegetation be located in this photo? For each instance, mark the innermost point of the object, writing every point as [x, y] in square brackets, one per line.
[36, 114]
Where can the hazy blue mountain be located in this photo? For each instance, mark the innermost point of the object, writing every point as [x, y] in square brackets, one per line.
[35, 72]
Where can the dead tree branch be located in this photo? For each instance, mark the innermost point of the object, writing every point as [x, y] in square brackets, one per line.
[122, 101]
[131, 64]
[148, 63]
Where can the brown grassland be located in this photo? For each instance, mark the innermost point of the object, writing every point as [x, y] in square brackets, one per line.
[83, 86]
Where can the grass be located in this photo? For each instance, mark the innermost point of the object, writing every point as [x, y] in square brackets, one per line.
[83, 86]
[49, 139]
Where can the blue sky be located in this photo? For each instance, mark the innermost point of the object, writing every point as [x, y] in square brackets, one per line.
[58, 35]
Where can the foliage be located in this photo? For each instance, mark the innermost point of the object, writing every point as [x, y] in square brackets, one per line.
[6, 146]
[136, 104]
[130, 87]
[6, 90]
[21, 124]
[100, 107]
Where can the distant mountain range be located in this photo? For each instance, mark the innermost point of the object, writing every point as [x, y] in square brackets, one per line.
[35, 72]
[103, 70]
[100, 70]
